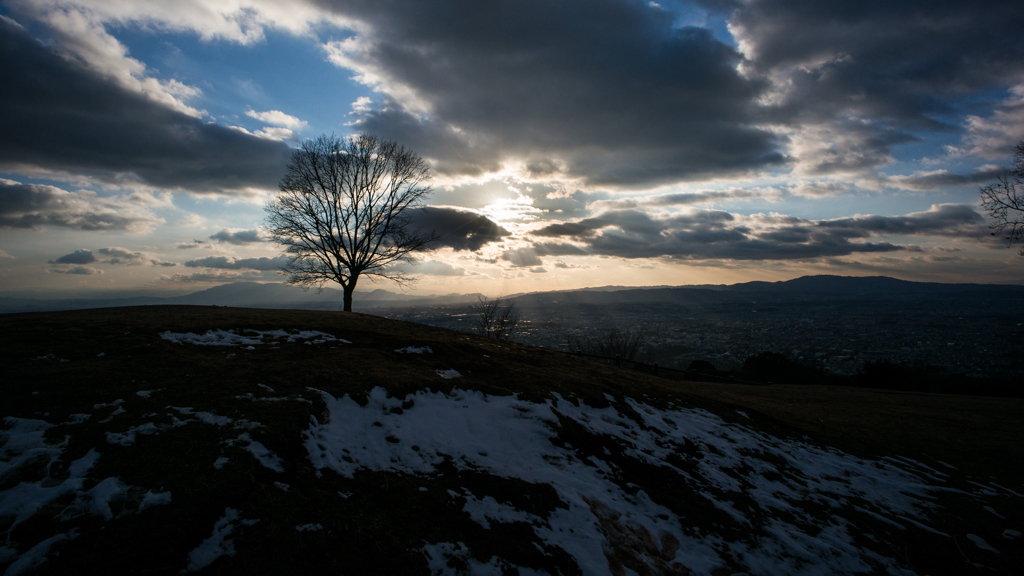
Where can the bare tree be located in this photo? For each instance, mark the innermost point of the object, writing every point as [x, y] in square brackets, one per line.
[343, 211]
[497, 318]
[1005, 203]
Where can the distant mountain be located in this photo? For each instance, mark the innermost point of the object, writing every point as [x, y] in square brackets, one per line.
[274, 295]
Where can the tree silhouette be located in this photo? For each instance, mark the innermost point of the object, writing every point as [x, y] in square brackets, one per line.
[343, 211]
[1005, 203]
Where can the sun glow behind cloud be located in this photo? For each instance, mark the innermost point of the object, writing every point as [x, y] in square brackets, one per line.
[737, 165]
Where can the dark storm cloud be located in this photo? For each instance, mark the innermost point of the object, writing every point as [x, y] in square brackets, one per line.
[79, 270]
[941, 178]
[880, 70]
[457, 229]
[238, 237]
[58, 115]
[37, 205]
[226, 263]
[603, 89]
[76, 257]
[943, 220]
[714, 234]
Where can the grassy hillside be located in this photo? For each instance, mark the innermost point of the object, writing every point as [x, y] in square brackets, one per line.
[135, 440]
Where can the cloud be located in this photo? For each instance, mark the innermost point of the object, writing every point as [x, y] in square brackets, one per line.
[125, 257]
[429, 268]
[236, 236]
[4, 254]
[458, 229]
[853, 80]
[941, 178]
[227, 263]
[192, 245]
[472, 86]
[214, 276]
[717, 235]
[81, 270]
[76, 257]
[38, 205]
[278, 118]
[60, 115]
[522, 257]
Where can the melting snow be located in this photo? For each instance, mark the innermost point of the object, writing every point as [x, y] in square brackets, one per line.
[448, 374]
[414, 350]
[981, 543]
[261, 452]
[24, 447]
[216, 545]
[248, 338]
[766, 485]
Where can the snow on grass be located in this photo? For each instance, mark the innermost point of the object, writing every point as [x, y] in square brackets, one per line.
[220, 462]
[77, 418]
[981, 543]
[444, 557]
[448, 374]
[217, 545]
[414, 350]
[309, 527]
[261, 452]
[795, 503]
[23, 448]
[35, 556]
[248, 338]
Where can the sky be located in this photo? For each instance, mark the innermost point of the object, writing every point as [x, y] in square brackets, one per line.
[572, 143]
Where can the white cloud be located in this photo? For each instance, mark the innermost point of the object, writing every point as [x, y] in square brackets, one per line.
[278, 118]
[996, 135]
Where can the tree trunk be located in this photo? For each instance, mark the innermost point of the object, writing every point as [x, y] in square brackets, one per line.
[347, 291]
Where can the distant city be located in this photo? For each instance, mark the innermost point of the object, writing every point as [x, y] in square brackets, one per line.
[967, 329]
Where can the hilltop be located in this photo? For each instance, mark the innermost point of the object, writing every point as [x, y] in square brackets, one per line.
[162, 439]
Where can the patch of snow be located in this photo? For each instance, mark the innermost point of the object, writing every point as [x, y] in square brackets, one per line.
[1011, 534]
[220, 462]
[755, 479]
[309, 527]
[249, 339]
[293, 397]
[213, 419]
[448, 374]
[113, 404]
[77, 418]
[154, 499]
[445, 558]
[415, 350]
[992, 511]
[127, 438]
[265, 387]
[487, 509]
[282, 486]
[23, 445]
[101, 354]
[147, 393]
[261, 452]
[35, 556]
[981, 543]
[217, 545]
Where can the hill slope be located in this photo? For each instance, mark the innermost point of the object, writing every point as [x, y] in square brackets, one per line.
[169, 439]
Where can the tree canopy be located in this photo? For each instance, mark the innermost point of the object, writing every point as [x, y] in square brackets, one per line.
[343, 211]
